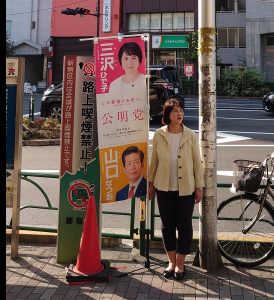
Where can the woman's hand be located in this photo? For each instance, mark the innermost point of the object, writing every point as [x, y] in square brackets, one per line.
[151, 191]
[198, 195]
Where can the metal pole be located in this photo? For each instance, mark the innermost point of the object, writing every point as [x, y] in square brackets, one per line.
[208, 253]
[98, 17]
[32, 105]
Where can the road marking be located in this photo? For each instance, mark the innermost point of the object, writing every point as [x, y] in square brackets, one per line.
[253, 119]
[246, 145]
[225, 173]
[227, 138]
[35, 114]
[248, 132]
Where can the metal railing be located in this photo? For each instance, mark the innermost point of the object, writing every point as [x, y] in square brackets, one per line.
[141, 231]
[26, 175]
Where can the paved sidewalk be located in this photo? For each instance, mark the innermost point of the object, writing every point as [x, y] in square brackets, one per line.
[35, 274]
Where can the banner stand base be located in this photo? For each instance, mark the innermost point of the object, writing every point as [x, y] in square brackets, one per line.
[74, 278]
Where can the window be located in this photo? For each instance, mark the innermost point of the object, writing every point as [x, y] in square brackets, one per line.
[133, 22]
[230, 5]
[161, 22]
[241, 5]
[167, 21]
[155, 22]
[270, 40]
[242, 41]
[222, 37]
[8, 27]
[189, 21]
[179, 21]
[144, 22]
[231, 38]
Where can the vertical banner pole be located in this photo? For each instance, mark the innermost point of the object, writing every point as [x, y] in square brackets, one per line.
[19, 81]
[148, 203]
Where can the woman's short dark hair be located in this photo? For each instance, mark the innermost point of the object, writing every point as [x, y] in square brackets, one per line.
[168, 107]
[130, 48]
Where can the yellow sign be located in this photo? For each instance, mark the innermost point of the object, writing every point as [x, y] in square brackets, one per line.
[142, 210]
[11, 67]
[9, 188]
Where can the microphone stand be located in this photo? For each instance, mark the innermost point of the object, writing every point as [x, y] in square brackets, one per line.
[147, 264]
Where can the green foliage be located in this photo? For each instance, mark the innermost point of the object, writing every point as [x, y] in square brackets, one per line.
[191, 55]
[241, 82]
[190, 86]
[9, 46]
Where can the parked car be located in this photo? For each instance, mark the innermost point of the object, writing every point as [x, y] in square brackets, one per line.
[164, 83]
[268, 102]
[51, 102]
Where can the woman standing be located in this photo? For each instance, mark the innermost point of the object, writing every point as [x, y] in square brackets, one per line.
[176, 174]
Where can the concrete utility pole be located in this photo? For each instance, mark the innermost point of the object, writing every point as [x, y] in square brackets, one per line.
[207, 256]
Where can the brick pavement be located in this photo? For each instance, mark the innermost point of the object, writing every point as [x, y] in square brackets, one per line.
[35, 274]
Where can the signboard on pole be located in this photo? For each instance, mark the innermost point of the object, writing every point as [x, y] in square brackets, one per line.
[170, 41]
[11, 91]
[107, 16]
[15, 69]
[122, 116]
[79, 169]
[189, 69]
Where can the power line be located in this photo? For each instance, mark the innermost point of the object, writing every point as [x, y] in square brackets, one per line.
[51, 8]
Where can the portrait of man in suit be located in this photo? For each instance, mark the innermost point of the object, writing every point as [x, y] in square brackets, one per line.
[133, 162]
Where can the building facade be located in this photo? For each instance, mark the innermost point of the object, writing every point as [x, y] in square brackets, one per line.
[245, 34]
[28, 25]
[169, 24]
[43, 35]
[67, 30]
[260, 36]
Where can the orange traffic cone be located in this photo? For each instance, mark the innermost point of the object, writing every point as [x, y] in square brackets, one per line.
[89, 266]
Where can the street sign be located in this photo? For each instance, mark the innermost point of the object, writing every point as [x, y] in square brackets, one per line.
[188, 69]
[79, 168]
[170, 41]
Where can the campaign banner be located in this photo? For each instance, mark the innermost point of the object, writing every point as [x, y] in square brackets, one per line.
[11, 90]
[10, 124]
[79, 163]
[122, 117]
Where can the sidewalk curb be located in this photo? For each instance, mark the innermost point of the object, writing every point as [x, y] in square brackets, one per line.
[28, 236]
[42, 142]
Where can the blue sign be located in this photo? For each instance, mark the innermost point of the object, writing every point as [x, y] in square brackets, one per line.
[10, 124]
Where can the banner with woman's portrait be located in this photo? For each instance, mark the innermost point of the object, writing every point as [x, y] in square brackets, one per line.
[122, 116]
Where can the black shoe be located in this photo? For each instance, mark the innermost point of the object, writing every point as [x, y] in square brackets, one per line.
[168, 273]
[179, 275]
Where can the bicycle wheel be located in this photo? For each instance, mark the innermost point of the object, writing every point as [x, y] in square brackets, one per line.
[254, 247]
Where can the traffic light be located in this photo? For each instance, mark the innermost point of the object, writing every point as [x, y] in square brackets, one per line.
[69, 11]
[82, 11]
[76, 11]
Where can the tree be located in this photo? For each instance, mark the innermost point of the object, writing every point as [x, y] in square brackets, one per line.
[9, 46]
[191, 55]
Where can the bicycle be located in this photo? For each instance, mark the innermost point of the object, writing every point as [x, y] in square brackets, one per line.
[250, 215]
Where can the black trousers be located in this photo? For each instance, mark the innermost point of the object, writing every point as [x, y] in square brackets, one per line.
[176, 213]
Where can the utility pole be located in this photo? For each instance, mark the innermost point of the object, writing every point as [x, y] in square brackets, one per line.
[207, 256]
